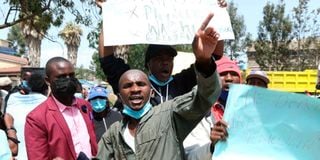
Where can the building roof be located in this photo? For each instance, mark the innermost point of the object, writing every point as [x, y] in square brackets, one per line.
[7, 50]
[11, 65]
[13, 59]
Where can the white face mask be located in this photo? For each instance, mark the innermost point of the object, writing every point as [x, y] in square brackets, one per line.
[78, 95]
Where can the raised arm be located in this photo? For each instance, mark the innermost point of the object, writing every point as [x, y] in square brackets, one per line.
[203, 45]
[190, 108]
[104, 51]
[112, 67]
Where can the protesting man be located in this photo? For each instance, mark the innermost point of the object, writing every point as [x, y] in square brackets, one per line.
[103, 115]
[158, 132]
[258, 78]
[199, 144]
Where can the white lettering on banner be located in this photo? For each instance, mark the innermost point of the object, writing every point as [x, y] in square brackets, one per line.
[160, 21]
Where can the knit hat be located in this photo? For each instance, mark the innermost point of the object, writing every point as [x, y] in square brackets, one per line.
[258, 74]
[225, 64]
[157, 49]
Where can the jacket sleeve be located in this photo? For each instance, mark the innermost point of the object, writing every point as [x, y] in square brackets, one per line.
[190, 108]
[105, 149]
[35, 138]
[113, 68]
[181, 77]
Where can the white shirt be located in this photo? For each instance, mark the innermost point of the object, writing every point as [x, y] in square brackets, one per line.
[197, 143]
[19, 106]
[128, 138]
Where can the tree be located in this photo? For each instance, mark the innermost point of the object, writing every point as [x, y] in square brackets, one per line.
[239, 29]
[304, 31]
[136, 56]
[82, 73]
[272, 45]
[71, 34]
[95, 66]
[37, 16]
[17, 40]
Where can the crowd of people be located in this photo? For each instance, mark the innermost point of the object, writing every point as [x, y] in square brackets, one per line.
[158, 115]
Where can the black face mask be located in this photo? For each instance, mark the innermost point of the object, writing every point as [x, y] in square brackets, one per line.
[64, 87]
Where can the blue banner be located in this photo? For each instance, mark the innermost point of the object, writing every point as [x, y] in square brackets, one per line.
[271, 125]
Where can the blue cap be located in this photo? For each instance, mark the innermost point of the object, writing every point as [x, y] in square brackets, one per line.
[97, 92]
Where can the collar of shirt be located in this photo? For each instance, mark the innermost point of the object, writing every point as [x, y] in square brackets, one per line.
[63, 107]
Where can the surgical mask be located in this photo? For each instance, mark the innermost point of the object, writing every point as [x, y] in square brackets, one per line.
[25, 86]
[78, 95]
[137, 114]
[98, 105]
[24, 83]
[64, 87]
[159, 83]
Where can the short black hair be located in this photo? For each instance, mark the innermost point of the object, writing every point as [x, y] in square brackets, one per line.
[37, 83]
[54, 60]
[156, 49]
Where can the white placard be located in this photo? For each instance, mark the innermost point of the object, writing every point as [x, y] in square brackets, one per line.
[160, 22]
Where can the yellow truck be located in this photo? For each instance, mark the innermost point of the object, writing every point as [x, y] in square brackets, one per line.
[293, 81]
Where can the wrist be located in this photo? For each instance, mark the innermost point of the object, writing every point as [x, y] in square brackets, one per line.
[11, 129]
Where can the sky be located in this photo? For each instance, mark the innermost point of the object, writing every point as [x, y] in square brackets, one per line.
[250, 9]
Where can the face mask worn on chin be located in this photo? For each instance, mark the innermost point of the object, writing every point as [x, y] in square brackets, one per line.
[159, 83]
[64, 87]
[98, 105]
[137, 114]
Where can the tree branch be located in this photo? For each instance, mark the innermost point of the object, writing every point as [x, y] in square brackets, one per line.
[9, 24]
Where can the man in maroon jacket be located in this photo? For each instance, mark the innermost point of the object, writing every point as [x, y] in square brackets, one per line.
[61, 126]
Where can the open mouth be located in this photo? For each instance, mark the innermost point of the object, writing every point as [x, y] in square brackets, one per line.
[165, 72]
[136, 99]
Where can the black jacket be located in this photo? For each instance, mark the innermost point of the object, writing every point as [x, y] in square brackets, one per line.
[182, 82]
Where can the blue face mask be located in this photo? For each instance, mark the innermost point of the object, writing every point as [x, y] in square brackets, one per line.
[136, 114]
[98, 105]
[159, 83]
[24, 83]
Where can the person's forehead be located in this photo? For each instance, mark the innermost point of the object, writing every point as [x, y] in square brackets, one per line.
[135, 77]
[162, 54]
[255, 79]
[229, 72]
[61, 67]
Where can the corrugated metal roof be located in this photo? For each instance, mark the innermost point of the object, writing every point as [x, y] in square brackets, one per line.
[7, 50]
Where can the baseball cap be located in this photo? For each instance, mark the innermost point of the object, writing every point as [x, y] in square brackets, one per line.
[157, 49]
[97, 92]
[258, 74]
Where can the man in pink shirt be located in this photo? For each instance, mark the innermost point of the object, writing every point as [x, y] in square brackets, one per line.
[62, 125]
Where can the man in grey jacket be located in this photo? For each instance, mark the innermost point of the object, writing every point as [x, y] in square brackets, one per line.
[158, 132]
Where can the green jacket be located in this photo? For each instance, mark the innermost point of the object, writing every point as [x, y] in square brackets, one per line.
[162, 130]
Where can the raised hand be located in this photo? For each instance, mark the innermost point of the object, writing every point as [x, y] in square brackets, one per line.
[222, 3]
[99, 3]
[205, 41]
